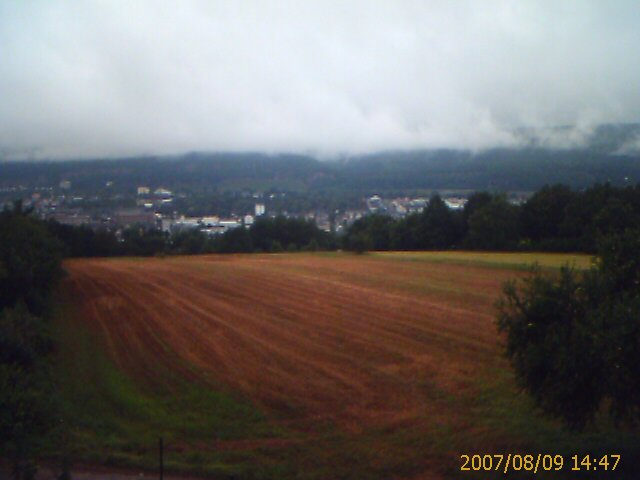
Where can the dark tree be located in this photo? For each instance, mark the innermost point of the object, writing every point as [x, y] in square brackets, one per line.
[189, 242]
[404, 233]
[437, 229]
[237, 240]
[544, 212]
[27, 399]
[358, 243]
[476, 201]
[574, 340]
[493, 226]
[29, 260]
[29, 269]
[377, 228]
[142, 242]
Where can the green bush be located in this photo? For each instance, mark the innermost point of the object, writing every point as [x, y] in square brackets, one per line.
[574, 339]
[30, 265]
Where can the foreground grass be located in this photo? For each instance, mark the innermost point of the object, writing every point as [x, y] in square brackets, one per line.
[506, 260]
[493, 417]
[507, 422]
[117, 421]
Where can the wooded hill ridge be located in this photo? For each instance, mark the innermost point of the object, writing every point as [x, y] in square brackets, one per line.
[604, 159]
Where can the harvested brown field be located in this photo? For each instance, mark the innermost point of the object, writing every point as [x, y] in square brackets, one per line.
[372, 347]
[311, 337]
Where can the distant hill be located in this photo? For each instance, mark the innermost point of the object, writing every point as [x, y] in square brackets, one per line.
[610, 153]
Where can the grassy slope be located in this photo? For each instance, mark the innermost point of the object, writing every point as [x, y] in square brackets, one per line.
[517, 261]
[117, 421]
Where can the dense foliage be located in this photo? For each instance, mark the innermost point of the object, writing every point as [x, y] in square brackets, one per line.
[574, 340]
[29, 260]
[555, 218]
[29, 269]
[274, 235]
[265, 235]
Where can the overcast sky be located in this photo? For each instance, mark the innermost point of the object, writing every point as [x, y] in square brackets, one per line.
[108, 78]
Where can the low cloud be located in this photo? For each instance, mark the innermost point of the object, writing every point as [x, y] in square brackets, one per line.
[85, 79]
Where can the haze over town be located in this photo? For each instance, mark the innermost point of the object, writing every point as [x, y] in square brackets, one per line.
[325, 78]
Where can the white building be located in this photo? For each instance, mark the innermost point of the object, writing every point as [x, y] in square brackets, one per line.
[166, 224]
[186, 223]
[228, 224]
[210, 221]
[163, 192]
[455, 203]
[374, 204]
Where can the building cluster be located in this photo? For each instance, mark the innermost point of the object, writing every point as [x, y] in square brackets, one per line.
[149, 201]
[403, 206]
[154, 208]
[112, 220]
[146, 214]
[210, 225]
[395, 207]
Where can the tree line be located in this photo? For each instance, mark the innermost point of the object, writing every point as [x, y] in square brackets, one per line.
[30, 267]
[268, 235]
[555, 219]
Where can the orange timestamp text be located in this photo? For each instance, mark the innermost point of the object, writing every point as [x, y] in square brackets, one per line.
[534, 463]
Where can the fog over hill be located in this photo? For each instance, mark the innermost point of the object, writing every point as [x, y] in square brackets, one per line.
[607, 138]
[608, 153]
